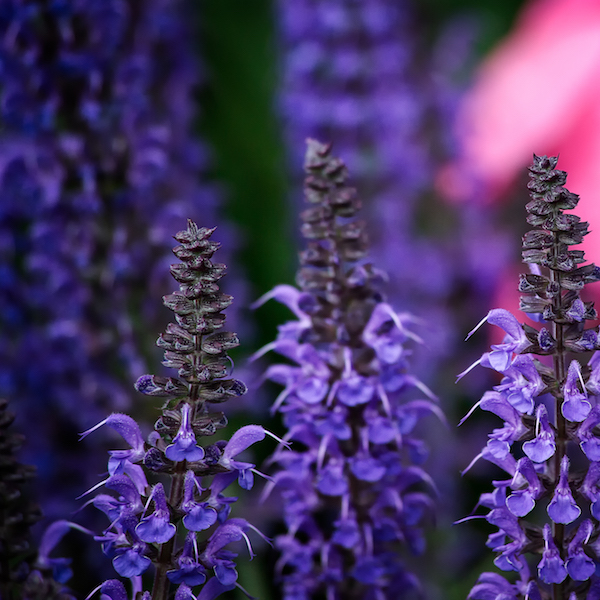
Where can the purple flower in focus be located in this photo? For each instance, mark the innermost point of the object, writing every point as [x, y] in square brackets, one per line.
[144, 520]
[561, 448]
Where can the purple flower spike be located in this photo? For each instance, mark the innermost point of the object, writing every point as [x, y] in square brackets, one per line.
[522, 502]
[184, 445]
[579, 565]
[562, 507]
[589, 443]
[543, 446]
[156, 528]
[576, 407]
[551, 568]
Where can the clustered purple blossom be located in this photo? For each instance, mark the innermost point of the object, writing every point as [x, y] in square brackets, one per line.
[549, 443]
[96, 168]
[145, 518]
[353, 488]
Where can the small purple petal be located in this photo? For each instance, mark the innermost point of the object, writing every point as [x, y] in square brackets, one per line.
[562, 507]
[242, 439]
[551, 568]
[367, 468]
[131, 562]
[331, 480]
[114, 589]
[355, 390]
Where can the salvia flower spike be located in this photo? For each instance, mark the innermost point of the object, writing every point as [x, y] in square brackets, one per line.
[145, 517]
[352, 487]
[550, 410]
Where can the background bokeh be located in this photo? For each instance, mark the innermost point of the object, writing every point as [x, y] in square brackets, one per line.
[212, 100]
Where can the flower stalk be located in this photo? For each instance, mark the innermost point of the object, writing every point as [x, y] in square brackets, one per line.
[560, 467]
[353, 489]
[144, 519]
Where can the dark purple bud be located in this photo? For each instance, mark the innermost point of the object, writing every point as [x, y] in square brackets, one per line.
[545, 340]
[576, 312]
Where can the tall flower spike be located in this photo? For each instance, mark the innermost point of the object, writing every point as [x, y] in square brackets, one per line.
[560, 470]
[145, 519]
[357, 489]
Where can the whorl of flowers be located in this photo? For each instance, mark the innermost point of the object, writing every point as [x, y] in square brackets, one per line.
[353, 489]
[547, 511]
[145, 518]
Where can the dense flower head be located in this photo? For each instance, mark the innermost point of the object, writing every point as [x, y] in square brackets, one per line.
[144, 517]
[355, 461]
[550, 411]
